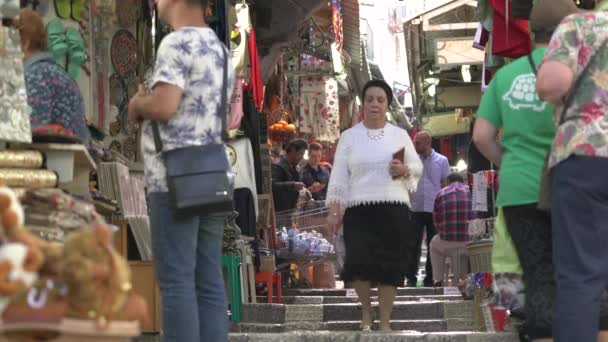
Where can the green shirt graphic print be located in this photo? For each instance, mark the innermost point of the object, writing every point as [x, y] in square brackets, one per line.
[512, 103]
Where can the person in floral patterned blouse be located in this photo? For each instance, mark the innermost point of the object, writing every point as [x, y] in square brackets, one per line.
[578, 162]
[54, 97]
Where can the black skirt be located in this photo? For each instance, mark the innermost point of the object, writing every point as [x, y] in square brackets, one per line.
[377, 243]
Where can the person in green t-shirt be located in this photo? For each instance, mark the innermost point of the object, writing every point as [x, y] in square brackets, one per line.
[511, 103]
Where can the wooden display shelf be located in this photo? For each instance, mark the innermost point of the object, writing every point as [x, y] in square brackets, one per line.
[70, 330]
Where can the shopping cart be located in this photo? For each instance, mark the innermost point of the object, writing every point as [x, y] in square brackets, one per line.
[303, 240]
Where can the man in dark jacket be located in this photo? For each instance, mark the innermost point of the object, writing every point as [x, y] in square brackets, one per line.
[286, 181]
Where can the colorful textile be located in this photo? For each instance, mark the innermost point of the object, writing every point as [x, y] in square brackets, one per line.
[510, 36]
[319, 108]
[257, 85]
[54, 97]
[585, 131]
[337, 27]
[452, 212]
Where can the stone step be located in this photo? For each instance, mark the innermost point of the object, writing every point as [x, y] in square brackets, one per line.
[401, 311]
[300, 300]
[327, 336]
[403, 325]
[430, 325]
[350, 299]
[280, 313]
[437, 325]
[402, 291]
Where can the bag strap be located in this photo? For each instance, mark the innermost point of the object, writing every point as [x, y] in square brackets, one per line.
[223, 109]
[532, 64]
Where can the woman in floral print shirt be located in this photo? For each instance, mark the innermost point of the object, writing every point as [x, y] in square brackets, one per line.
[54, 97]
[578, 161]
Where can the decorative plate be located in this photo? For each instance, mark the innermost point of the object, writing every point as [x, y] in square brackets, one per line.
[117, 91]
[115, 128]
[131, 128]
[116, 146]
[129, 147]
[124, 53]
[127, 12]
[132, 84]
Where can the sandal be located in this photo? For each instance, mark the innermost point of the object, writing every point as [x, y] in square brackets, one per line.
[77, 55]
[57, 40]
[63, 8]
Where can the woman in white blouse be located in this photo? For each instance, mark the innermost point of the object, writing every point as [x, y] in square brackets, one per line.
[369, 194]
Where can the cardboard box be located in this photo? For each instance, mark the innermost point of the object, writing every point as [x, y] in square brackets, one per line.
[144, 283]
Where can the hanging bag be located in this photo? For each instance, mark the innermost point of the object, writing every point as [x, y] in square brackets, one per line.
[199, 178]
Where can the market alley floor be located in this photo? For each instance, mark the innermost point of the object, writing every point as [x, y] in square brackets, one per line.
[420, 314]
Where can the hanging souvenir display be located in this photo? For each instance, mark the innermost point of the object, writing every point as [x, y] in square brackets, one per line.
[105, 8]
[127, 12]
[337, 30]
[101, 45]
[14, 110]
[319, 105]
[131, 128]
[115, 128]
[124, 53]
[117, 93]
[129, 148]
[132, 85]
[116, 146]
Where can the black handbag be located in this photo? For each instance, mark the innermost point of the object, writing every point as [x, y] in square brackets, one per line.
[199, 178]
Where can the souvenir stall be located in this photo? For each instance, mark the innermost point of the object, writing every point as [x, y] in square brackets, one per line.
[62, 276]
[308, 95]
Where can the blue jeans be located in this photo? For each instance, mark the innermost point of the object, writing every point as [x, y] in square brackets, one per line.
[187, 258]
[579, 210]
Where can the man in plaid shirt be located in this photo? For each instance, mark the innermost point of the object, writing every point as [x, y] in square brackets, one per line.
[451, 215]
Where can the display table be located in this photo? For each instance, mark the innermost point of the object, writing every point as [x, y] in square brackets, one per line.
[70, 330]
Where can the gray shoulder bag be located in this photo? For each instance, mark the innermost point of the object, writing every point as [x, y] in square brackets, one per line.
[198, 177]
